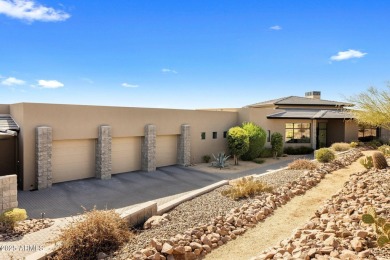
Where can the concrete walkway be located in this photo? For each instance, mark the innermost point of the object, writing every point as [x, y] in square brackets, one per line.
[122, 191]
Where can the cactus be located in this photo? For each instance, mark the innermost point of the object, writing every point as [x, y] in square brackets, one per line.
[381, 226]
[246, 187]
[379, 160]
[367, 162]
[220, 160]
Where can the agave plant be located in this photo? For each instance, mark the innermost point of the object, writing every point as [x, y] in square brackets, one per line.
[382, 227]
[220, 160]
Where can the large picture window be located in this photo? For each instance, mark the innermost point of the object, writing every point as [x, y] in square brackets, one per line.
[367, 133]
[297, 133]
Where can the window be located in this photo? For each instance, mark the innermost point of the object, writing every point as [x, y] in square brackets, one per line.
[268, 136]
[215, 134]
[367, 133]
[203, 135]
[225, 134]
[297, 133]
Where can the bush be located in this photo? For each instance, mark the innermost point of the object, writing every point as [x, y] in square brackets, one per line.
[246, 187]
[340, 147]
[385, 149]
[257, 138]
[298, 150]
[367, 162]
[10, 217]
[94, 232]
[266, 153]
[277, 144]
[302, 164]
[325, 155]
[238, 142]
[206, 158]
[258, 160]
[354, 144]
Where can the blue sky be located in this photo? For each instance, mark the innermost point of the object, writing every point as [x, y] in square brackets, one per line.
[190, 54]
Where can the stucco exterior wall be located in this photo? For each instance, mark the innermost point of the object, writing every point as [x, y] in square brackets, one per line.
[351, 131]
[4, 109]
[75, 122]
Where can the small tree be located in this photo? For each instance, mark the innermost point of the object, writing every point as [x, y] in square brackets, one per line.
[238, 142]
[257, 138]
[277, 144]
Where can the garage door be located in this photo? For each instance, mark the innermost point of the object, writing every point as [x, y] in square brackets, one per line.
[73, 160]
[126, 154]
[166, 150]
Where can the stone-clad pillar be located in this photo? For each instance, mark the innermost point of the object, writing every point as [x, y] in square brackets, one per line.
[149, 149]
[103, 153]
[43, 153]
[184, 146]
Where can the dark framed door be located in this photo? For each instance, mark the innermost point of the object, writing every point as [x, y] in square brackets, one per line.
[321, 135]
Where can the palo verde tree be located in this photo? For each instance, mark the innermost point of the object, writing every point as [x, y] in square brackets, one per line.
[238, 142]
[372, 107]
[257, 138]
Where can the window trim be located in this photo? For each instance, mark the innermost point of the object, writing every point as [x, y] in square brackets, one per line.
[293, 132]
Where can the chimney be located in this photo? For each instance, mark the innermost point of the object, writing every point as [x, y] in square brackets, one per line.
[313, 94]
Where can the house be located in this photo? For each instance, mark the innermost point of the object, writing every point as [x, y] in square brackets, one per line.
[50, 143]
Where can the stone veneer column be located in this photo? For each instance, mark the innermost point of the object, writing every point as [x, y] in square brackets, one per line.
[149, 149]
[9, 194]
[184, 146]
[43, 153]
[103, 153]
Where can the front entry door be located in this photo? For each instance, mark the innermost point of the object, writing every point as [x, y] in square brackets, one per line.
[321, 135]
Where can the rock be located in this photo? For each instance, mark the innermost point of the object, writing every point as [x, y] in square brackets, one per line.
[101, 255]
[178, 250]
[167, 249]
[356, 244]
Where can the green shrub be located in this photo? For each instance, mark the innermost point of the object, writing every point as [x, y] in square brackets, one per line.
[374, 144]
[298, 150]
[246, 187]
[206, 158]
[96, 231]
[385, 149]
[325, 155]
[354, 144]
[257, 138]
[10, 217]
[367, 162]
[238, 142]
[340, 147]
[302, 164]
[258, 160]
[277, 144]
[266, 153]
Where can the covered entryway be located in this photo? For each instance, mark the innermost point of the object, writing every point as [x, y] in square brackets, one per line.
[73, 160]
[8, 146]
[166, 150]
[126, 154]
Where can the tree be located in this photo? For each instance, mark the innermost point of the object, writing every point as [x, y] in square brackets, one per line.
[372, 107]
[277, 144]
[257, 138]
[238, 142]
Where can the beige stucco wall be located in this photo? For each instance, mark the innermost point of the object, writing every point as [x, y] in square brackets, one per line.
[75, 122]
[351, 131]
[4, 109]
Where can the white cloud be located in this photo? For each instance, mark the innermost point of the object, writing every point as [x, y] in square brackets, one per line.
[275, 28]
[346, 55]
[127, 85]
[30, 11]
[50, 83]
[11, 81]
[90, 81]
[169, 71]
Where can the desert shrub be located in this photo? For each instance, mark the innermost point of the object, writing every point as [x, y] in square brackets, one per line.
[238, 142]
[298, 150]
[354, 144]
[302, 164]
[206, 158]
[258, 160]
[10, 217]
[374, 143]
[367, 162]
[340, 147]
[379, 160]
[220, 160]
[94, 232]
[325, 155]
[257, 138]
[246, 187]
[277, 144]
[385, 149]
[266, 153]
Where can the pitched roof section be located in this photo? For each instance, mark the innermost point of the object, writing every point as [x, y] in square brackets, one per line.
[300, 101]
[7, 123]
[311, 114]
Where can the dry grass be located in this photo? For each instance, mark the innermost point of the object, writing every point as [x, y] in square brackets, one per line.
[96, 231]
[302, 164]
[341, 147]
[246, 187]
